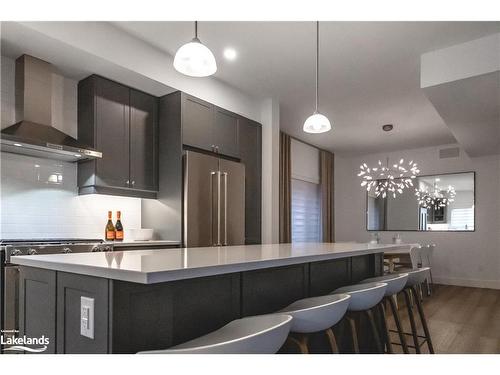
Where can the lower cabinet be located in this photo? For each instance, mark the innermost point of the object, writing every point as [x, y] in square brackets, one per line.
[131, 317]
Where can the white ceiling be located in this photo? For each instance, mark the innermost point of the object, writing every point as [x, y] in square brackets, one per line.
[369, 76]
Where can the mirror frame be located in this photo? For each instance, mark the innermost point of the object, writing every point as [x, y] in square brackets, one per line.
[427, 231]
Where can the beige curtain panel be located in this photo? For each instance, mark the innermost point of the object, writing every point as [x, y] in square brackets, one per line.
[285, 189]
[327, 201]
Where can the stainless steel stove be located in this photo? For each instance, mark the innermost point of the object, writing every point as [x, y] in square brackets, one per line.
[9, 273]
[52, 246]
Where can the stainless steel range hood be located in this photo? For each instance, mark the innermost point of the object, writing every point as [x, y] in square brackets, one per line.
[34, 135]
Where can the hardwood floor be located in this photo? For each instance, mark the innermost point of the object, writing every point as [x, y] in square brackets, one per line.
[461, 320]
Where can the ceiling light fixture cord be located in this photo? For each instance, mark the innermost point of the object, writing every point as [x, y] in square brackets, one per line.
[196, 29]
[317, 63]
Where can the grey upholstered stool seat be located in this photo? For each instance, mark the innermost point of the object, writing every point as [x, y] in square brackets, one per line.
[395, 284]
[316, 314]
[264, 334]
[364, 297]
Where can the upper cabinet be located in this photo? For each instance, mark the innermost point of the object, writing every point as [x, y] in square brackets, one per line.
[226, 128]
[197, 123]
[250, 143]
[122, 123]
[208, 127]
[143, 141]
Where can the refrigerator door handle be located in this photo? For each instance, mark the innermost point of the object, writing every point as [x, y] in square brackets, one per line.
[212, 174]
[225, 208]
[218, 209]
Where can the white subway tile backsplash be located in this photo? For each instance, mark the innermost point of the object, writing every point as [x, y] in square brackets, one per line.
[32, 207]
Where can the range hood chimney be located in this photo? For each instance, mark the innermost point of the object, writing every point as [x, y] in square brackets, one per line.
[34, 134]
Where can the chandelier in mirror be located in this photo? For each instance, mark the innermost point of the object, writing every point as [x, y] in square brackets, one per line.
[437, 198]
[388, 179]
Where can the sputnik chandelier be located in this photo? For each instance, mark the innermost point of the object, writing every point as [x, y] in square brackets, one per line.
[388, 179]
[437, 198]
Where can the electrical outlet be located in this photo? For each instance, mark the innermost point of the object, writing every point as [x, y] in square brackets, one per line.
[87, 317]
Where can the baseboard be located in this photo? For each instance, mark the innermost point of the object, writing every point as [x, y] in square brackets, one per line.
[490, 284]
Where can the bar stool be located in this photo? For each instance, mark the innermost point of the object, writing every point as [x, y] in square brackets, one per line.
[316, 314]
[415, 278]
[363, 298]
[264, 334]
[425, 261]
[395, 284]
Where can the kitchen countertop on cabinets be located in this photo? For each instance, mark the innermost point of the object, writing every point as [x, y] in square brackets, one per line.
[161, 265]
[148, 243]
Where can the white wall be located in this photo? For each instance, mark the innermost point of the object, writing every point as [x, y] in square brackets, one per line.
[465, 258]
[31, 207]
[270, 118]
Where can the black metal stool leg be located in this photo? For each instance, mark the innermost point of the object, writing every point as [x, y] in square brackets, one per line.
[424, 323]
[397, 320]
[414, 332]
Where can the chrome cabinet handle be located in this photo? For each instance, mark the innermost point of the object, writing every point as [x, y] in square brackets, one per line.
[133, 182]
[127, 182]
[225, 208]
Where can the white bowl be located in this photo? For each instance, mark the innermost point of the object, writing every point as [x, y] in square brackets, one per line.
[142, 234]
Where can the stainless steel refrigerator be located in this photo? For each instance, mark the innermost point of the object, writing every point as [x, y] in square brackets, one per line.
[214, 201]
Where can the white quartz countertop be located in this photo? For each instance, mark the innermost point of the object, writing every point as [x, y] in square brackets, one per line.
[160, 265]
[149, 243]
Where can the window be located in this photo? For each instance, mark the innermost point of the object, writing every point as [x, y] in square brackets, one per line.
[462, 219]
[306, 211]
[306, 194]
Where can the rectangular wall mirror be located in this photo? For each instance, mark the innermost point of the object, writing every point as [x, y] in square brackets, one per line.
[444, 202]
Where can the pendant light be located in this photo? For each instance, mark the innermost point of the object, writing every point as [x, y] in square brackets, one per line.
[317, 123]
[194, 59]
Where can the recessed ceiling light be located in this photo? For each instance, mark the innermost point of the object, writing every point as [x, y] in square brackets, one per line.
[17, 144]
[387, 127]
[230, 53]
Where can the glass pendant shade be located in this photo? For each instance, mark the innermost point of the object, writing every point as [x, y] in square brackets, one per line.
[195, 60]
[317, 123]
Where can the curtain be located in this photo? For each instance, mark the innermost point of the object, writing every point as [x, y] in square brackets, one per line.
[285, 197]
[327, 204]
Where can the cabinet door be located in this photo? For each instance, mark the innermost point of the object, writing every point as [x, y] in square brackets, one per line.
[251, 155]
[143, 141]
[197, 123]
[112, 128]
[226, 132]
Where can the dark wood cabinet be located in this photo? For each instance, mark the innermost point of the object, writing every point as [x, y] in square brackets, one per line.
[143, 141]
[225, 132]
[112, 129]
[208, 127]
[197, 123]
[250, 149]
[188, 122]
[122, 123]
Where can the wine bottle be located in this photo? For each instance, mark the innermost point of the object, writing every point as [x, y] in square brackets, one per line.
[109, 233]
[118, 227]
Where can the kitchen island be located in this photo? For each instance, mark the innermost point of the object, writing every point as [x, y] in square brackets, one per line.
[153, 299]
